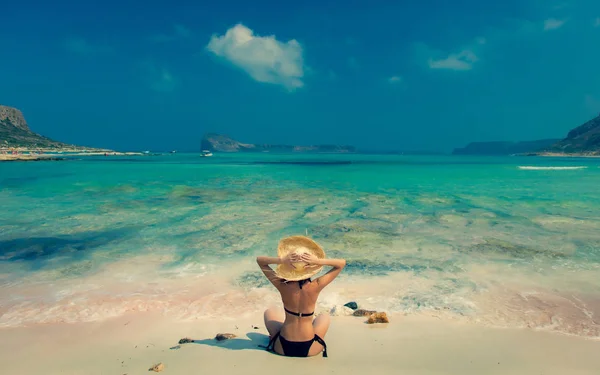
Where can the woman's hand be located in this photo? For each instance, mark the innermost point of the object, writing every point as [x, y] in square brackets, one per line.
[310, 259]
[290, 259]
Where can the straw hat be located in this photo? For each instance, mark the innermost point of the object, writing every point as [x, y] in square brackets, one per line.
[299, 245]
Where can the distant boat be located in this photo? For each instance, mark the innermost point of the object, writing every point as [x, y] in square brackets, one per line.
[174, 151]
[206, 153]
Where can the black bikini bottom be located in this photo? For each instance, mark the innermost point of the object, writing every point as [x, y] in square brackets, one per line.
[296, 348]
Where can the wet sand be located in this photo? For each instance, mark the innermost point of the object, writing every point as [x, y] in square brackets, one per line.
[407, 345]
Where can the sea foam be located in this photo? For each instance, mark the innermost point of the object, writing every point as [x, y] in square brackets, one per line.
[526, 167]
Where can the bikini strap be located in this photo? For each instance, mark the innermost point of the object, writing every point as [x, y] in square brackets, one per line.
[298, 314]
[322, 342]
[302, 282]
[271, 346]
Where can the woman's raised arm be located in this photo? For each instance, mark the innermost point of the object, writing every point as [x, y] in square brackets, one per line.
[337, 264]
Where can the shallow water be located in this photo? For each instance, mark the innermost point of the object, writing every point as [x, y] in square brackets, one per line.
[496, 241]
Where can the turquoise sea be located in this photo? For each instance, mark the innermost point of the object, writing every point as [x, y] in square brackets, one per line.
[507, 241]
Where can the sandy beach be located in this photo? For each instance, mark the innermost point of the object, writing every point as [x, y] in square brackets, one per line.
[60, 155]
[27, 157]
[408, 345]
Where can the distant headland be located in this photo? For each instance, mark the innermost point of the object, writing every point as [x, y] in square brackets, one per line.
[581, 141]
[19, 142]
[504, 148]
[223, 143]
[584, 140]
[15, 134]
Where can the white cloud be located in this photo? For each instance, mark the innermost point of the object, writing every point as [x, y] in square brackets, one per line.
[80, 46]
[553, 24]
[395, 79]
[597, 23]
[179, 32]
[265, 59]
[456, 61]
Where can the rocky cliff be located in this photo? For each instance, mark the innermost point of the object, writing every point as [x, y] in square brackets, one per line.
[15, 133]
[584, 139]
[222, 143]
[504, 148]
[14, 116]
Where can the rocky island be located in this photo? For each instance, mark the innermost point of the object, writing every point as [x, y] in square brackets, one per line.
[223, 143]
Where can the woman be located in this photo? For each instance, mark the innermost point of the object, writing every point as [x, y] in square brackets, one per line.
[293, 332]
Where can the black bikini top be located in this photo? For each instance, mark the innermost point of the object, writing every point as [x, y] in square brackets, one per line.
[302, 282]
[298, 314]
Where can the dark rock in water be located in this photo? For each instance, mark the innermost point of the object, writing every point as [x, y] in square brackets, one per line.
[361, 312]
[224, 336]
[185, 341]
[352, 305]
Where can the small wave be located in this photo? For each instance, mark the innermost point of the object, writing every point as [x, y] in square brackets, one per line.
[549, 168]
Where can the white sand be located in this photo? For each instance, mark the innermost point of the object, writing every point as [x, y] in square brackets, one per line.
[408, 345]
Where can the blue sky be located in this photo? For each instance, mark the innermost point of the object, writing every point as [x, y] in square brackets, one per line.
[426, 75]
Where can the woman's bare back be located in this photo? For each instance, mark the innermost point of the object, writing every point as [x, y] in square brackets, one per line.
[301, 301]
[296, 326]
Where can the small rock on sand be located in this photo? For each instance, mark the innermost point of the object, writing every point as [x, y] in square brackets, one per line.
[185, 340]
[361, 312]
[157, 367]
[224, 336]
[378, 317]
